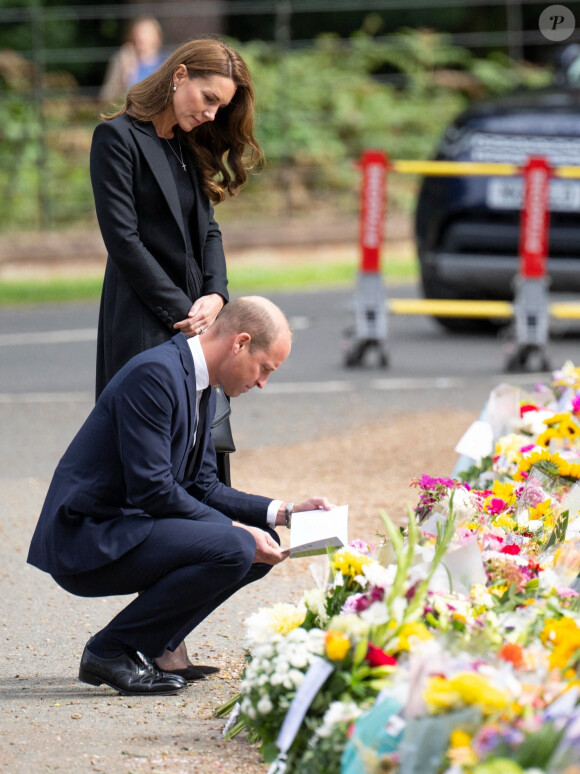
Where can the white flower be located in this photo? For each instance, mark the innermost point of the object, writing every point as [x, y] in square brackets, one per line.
[264, 706]
[532, 422]
[279, 619]
[380, 576]
[398, 608]
[338, 712]
[314, 600]
[464, 506]
[351, 624]
[376, 614]
[293, 679]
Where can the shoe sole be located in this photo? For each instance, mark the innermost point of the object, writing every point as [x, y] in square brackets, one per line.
[87, 677]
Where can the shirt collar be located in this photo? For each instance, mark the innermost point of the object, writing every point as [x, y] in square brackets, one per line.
[201, 372]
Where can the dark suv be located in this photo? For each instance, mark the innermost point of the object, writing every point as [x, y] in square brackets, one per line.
[467, 228]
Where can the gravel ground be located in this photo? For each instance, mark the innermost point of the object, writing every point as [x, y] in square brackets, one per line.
[51, 722]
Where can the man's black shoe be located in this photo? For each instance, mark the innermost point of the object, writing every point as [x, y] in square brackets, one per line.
[130, 674]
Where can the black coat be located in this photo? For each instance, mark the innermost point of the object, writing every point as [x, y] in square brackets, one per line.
[139, 214]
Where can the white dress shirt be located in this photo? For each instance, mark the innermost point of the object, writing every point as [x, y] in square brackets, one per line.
[201, 383]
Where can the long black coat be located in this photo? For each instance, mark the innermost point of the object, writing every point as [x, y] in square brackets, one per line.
[139, 214]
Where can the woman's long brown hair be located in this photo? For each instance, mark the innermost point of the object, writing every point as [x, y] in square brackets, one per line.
[226, 148]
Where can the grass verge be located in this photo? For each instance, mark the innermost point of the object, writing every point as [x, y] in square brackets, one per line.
[261, 279]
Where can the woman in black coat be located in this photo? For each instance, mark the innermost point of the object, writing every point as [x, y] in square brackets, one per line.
[182, 142]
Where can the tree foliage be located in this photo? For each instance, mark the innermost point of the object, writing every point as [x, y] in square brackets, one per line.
[318, 109]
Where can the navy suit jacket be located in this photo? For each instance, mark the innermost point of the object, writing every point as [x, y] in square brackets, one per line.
[126, 466]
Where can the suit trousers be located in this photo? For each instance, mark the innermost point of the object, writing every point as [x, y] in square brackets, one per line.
[183, 571]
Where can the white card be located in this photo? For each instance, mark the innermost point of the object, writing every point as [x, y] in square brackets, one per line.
[312, 532]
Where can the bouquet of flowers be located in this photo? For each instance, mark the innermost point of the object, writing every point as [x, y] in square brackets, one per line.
[453, 647]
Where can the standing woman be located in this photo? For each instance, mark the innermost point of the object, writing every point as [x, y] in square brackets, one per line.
[183, 140]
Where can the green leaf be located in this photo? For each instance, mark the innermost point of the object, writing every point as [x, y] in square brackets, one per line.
[360, 652]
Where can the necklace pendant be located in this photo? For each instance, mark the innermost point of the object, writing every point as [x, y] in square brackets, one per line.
[184, 166]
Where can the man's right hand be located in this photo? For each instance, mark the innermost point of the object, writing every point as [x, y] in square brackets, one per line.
[267, 550]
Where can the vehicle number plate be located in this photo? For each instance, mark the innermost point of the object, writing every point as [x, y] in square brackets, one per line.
[506, 193]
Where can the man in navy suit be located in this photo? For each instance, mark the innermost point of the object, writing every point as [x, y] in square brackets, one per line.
[135, 504]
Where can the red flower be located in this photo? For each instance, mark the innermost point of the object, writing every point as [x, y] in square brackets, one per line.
[511, 549]
[526, 407]
[377, 657]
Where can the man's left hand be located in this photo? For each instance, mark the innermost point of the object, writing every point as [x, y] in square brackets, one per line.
[314, 504]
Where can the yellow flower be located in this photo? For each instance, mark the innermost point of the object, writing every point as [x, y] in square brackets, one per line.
[505, 521]
[460, 752]
[570, 469]
[563, 634]
[284, 618]
[464, 688]
[459, 738]
[534, 458]
[541, 510]
[505, 491]
[336, 645]
[509, 446]
[411, 631]
[349, 562]
[556, 419]
[544, 438]
[441, 695]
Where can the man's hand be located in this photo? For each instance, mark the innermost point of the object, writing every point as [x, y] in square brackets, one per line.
[267, 550]
[312, 504]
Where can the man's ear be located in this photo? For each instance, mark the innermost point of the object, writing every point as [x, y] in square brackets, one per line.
[241, 342]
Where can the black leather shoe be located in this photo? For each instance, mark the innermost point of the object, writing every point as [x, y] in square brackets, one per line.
[130, 674]
[193, 672]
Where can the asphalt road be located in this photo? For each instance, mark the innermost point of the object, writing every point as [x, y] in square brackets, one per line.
[47, 360]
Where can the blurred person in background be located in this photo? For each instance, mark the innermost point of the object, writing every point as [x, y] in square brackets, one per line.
[139, 56]
[183, 141]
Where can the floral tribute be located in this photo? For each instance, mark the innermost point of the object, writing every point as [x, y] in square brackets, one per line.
[453, 645]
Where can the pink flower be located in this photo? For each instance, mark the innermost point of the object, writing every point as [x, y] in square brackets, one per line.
[565, 591]
[497, 505]
[361, 546]
[528, 447]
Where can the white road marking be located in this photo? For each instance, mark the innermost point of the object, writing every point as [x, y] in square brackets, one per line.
[48, 337]
[11, 398]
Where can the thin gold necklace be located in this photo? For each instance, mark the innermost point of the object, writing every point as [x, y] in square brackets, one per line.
[180, 157]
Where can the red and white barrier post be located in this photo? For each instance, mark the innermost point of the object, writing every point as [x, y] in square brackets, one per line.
[370, 294]
[531, 289]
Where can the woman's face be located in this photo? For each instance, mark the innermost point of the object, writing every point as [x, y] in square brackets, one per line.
[197, 100]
